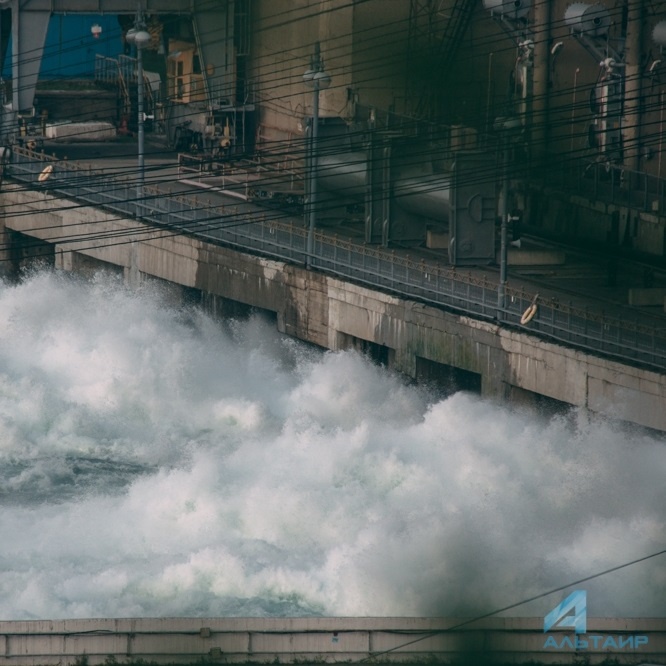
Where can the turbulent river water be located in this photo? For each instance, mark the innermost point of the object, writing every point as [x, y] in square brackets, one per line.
[154, 462]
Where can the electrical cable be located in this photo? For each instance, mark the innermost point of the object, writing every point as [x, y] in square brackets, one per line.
[357, 51]
[300, 93]
[397, 195]
[417, 158]
[517, 604]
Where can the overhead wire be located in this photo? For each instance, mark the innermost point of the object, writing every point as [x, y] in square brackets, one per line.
[369, 47]
[322, 209]
[418, 156]
[493, 167]
[465, 623]
[299, 94]
[275, 158]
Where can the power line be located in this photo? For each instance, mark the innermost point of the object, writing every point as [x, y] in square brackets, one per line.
[74, 181]
[273, 158]
[426, 151]
[300, 93]
[364, 48]
[517, 604]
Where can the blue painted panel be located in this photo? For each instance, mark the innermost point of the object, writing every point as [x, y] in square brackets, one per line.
[70, 47]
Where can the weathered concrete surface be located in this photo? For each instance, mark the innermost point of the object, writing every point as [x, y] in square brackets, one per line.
[332, 313]
[289, 640]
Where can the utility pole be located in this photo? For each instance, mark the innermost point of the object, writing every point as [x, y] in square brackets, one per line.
[139, 36]
[507, 128]
[316, 78]
[632, 86]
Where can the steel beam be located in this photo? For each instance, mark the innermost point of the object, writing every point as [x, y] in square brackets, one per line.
[214, 31]
[28, 37]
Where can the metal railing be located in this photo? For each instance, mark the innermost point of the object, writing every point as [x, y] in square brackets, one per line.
[121, 72]
[106, 69]
[639, 341]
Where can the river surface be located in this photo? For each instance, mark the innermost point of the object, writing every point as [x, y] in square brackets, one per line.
[154, 462]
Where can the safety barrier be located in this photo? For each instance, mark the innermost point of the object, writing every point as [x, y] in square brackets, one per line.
[639, 341]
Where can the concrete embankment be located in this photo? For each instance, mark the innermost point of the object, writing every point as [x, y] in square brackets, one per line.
[413, 338]
[302, 640]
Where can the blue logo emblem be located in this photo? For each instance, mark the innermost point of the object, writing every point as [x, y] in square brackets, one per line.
[562, 615]
[572, 614]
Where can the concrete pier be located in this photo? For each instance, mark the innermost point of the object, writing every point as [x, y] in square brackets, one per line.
[336, 314]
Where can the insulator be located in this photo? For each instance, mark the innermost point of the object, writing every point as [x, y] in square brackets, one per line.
[589, 20]
[659, 33]
[511, 9]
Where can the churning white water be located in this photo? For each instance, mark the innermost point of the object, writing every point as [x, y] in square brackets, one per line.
[156, 463]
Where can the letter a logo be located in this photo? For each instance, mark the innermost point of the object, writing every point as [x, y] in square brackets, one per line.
[562, 616]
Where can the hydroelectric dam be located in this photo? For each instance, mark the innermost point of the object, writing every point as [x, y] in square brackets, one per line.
[468, 194]
[419, 318]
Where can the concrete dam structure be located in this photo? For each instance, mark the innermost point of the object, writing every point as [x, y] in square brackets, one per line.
[363, 173]
[388, 160]
[407, 334]
[345, 640]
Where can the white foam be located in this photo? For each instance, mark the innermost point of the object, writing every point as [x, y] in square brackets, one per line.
[152, 465]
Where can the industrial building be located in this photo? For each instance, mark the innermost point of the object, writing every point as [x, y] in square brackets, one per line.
[574, 88]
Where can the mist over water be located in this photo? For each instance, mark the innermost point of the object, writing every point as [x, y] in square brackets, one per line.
[154, 462]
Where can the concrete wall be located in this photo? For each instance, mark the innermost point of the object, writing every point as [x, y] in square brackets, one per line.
[284, 35]
[380, 57]
[289, 640]
[333, 313]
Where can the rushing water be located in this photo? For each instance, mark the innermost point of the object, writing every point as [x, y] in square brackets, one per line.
[154, 462]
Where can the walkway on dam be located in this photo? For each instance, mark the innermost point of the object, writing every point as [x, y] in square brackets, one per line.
[583, 284]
